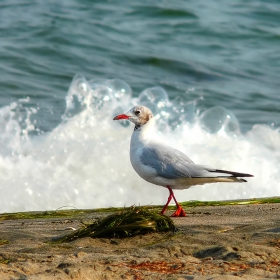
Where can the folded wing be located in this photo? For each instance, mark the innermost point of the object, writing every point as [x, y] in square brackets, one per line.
[170, 163]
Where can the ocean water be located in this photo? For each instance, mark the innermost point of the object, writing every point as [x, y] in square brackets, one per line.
[208, 70]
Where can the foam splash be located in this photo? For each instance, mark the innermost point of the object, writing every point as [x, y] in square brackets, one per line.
[84, 162]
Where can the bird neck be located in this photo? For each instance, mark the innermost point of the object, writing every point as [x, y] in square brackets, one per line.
[143, 132]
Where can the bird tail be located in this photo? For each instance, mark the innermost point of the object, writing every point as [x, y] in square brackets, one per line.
[225, 173]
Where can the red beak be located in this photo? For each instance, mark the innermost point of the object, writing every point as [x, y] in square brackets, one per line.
[121, 117]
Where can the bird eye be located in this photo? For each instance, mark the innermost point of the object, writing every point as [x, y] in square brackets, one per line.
[137, 112]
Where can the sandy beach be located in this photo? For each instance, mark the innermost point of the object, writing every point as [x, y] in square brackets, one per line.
[213, 242]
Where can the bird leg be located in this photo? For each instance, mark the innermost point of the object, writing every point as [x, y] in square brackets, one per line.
[168, 201]
[179, 211]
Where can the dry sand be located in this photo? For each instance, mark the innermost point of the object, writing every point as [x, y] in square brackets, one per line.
[213, 242]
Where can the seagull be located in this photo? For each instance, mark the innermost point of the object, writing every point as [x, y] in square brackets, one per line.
[165, 166]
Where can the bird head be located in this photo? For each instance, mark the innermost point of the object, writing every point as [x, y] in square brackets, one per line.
[139, 115]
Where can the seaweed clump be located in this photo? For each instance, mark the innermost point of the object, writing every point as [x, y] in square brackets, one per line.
[126, 223]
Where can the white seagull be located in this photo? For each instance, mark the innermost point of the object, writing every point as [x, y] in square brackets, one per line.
[162, 165]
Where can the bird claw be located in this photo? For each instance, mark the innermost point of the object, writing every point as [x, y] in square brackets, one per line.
[179, 212]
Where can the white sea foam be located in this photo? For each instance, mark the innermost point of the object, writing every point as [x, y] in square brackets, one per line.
[84, 162]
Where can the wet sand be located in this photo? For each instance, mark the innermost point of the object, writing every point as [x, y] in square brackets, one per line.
[213, 242]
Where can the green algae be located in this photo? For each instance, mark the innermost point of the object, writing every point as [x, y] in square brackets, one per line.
[75, 213]
[197, 203]
[130, 221]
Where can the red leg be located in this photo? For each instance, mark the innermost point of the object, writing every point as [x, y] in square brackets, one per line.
[179, 211]
[168, 201]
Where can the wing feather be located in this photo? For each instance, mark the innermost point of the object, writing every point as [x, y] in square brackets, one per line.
[170, 163]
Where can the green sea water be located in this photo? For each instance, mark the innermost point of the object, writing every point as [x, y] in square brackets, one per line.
[223, 53]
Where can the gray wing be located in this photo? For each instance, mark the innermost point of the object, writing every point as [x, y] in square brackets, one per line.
[172, 164]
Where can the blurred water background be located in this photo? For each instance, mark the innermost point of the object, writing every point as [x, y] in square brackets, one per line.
[209, 70]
